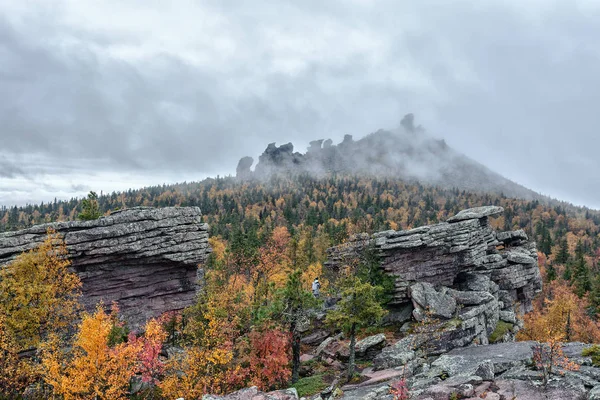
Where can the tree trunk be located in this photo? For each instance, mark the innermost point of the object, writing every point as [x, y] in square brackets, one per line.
[295, 353]
[352, 352]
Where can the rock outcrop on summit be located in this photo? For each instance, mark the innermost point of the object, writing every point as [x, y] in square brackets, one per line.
[461, 271]
[407, 153]
[145, 259]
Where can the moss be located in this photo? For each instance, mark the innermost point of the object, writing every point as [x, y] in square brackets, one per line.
[502, 328]
[453, 323]
[594, 352]
[310, 385]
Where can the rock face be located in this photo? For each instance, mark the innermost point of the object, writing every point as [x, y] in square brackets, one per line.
[461, 273]
[146, 259]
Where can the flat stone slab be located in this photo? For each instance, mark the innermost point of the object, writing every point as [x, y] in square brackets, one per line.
[476, 213]
[502, 355]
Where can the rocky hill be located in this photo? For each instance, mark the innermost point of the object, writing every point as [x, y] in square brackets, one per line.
[460, 286]
[407, 153]
[145, 259]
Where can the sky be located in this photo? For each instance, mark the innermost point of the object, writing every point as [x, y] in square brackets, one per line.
[117, 94]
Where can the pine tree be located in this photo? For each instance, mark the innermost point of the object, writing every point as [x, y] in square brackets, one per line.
[568, 272]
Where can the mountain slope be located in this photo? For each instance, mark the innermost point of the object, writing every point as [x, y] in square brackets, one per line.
[407, 153]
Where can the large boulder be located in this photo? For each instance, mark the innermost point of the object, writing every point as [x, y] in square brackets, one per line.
[370, 346]
[429, 302]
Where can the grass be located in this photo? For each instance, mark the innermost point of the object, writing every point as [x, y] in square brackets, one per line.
[310, 385]
[502, 328]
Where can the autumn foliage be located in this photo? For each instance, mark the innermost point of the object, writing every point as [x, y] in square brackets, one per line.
[15, 373]
[561, 316]
[95, 369]
[38, 294]
[265, 359]
[240, 331]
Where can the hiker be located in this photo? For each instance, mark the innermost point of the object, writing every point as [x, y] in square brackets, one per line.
[316, 285]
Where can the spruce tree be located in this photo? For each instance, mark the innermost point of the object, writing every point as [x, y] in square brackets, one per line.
[563, 256]
[594, 297]
[296, 305]
[358, 308]
[90, 208]
[568, 272]
[582, 273]
[550, 272]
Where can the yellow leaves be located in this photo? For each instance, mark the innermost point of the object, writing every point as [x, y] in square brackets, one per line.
[218, 246]
[199, 369]
[313, 271]
[93, 370]
[38, 294]
[15, 373]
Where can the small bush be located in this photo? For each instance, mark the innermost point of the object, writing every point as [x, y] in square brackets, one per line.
[310, 385]
[594, 352]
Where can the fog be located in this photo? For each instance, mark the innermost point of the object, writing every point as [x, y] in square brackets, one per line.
[110, 95]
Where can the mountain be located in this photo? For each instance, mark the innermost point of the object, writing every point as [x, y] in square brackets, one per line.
[407, 153]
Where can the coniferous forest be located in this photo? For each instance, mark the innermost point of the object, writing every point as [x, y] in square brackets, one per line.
[269, 240]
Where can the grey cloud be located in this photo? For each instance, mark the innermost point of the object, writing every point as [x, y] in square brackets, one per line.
[9, 170]
[510, 84]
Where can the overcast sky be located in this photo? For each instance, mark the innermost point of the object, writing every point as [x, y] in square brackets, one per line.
[112, 94]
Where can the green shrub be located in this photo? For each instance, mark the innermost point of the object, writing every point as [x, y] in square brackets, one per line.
[594, 352]
[310, 385]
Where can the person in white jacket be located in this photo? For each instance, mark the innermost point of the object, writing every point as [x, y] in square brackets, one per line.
[316, 285]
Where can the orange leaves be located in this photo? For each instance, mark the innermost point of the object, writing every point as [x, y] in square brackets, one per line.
[548, 355]
[94, 369]
[198, 371]
[310, 273]
[274, 257]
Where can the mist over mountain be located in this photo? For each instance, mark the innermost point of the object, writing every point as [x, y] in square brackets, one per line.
[407, 153]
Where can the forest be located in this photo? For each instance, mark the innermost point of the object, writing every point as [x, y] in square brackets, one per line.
[269, 241]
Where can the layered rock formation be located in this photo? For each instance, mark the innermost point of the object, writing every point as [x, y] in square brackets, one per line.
[146, 259]
[461, 273]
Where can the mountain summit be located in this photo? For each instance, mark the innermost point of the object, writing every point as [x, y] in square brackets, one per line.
[407, 153]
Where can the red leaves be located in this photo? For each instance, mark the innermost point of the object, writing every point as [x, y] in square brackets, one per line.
[266, 358]
[150, 346]
[399, 390]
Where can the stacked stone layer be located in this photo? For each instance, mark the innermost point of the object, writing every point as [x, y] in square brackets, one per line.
[460, 270]
[146, 259]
